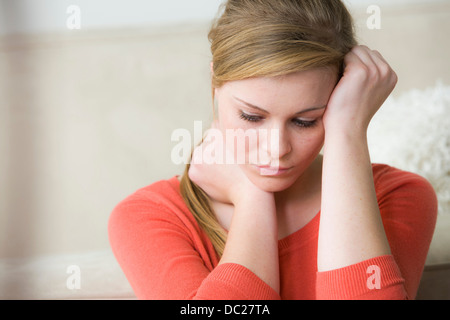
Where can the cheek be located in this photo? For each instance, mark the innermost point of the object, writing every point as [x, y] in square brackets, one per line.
[232, 128]
[228, 120]
[308, 145]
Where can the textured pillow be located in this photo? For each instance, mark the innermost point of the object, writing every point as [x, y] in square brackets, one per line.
[412, 132]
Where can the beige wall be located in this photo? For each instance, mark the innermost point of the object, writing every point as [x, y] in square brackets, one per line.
[414, 39]
[86, 118]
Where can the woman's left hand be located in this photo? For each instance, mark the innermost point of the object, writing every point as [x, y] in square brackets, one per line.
[366, 83]
[351, 228]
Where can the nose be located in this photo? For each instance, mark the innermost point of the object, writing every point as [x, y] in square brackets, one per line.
[277, 145]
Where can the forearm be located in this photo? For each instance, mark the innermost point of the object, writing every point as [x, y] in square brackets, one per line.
[351, 228]
[253, 238]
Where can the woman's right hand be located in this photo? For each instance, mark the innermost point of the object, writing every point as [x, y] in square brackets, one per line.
[223, 182]
[253, 224]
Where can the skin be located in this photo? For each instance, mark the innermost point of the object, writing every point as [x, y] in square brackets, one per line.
[258, 210]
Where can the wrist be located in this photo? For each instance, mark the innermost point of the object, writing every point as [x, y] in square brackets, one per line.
[347, 133]
[338, 123]
[250, 194]
[342, 144]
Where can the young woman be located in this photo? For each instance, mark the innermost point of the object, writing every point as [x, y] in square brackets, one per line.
[298, 225]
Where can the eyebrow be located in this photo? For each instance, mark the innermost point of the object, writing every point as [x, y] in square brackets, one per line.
[265, 111]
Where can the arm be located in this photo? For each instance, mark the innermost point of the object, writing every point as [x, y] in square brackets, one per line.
[408, 207]
[164, 255]
[351, 228]
[353, 237]
[252, 240]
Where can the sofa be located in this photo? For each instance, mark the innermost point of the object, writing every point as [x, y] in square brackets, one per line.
[86, 118]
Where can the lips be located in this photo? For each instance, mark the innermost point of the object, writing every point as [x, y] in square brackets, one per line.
[272, 171]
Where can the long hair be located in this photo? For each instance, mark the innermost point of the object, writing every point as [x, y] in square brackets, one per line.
[268, 38]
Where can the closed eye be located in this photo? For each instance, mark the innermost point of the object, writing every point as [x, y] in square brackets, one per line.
[304, 124]
[249, 117]
[298, 122]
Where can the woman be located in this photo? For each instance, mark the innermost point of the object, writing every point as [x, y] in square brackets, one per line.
[295, 224]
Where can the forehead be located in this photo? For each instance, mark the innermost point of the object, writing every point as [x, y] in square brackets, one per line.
[296, 90]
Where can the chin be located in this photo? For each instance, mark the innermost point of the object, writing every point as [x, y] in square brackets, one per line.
[272, 184]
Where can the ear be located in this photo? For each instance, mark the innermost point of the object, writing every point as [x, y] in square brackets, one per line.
[215, 104]
[214, 95]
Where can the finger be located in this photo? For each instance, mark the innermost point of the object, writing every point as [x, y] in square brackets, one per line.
[378, 67]
[376, 57]
[383, 66]
[365, 55]
[350, 59]
[376, 54]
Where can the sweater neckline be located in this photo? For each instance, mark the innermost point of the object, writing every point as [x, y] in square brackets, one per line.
[302, 235]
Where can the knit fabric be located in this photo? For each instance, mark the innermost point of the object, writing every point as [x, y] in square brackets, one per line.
[166, 255]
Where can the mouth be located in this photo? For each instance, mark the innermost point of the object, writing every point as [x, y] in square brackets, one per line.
[272, 171]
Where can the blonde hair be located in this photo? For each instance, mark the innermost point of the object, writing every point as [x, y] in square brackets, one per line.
[268, 38]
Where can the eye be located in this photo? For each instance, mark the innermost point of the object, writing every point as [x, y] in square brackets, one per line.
[249, 117]
[304, 123]
[298, 122]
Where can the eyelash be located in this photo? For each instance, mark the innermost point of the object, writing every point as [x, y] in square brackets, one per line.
[249, 118]
[297, 122]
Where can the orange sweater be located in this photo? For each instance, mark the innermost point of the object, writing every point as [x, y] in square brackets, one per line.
[165, 255]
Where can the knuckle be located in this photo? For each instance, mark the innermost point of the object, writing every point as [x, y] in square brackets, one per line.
[388, 74]
[360, 48]
[383, 74]
[394, 78]
[367, 73]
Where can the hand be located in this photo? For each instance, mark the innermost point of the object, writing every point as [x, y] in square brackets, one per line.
[224, 183]
[367, 82]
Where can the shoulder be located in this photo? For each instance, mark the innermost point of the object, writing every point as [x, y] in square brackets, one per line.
[158, 194]
[402, 193]
[388, 179]
[159, 202]
[408, 208]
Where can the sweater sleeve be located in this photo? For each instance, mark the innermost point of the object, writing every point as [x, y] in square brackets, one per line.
[163, 257]
[235, 282]
[408, 207]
